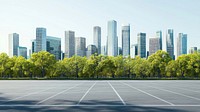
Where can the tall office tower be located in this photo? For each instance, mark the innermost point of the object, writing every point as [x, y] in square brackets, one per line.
[181, 44]
[97, 38]
[154, 45]
[134, 50]
[69, 43]
[13, 44]
[91, 49]
[54, 46]
[141, 40]
[159, 35]
[103, 50]
[33, 48]
[126, 40]
[112, 39]
[40, 39]
[80, 46]
[193, 50]
[170, 42]
[22, 51]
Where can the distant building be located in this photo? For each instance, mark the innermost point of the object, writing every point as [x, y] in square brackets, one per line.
[33, 48]
[13, 44]
[170, 42]
[159, 35]
[119, 51]
[40, 39]
[181, 44]
[103, 50]
[193, 50]
[112, 39]
[141, 40]
[69, 43]
[134, 50]
[54, 46]
[126, 40]
[22, 51]
[97, 38]
[80, 46]
[91, 49]
[154, 45]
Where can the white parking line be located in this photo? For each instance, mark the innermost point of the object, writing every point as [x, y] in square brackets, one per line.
[117, 93]
[57, 94]
[86, 93]
[22, 105]
[149, 94]
[28, 95]
[176, 93]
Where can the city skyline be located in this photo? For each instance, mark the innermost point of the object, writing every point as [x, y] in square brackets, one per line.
[14, 19]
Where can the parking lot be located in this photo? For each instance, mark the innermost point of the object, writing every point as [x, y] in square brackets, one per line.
[105, 95]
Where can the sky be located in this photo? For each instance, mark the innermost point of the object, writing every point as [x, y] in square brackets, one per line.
[57, 16]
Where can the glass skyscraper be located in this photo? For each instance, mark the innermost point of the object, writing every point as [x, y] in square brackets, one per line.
[97, 38]
[134, 50]
[40, 39]
[91, 49]
[13, 44]
[181, 44]
[126, 40]
[159, 35]
[170, 43]
[80, 46]
[69, 43]
[22, 51]
[54, 46]
[112, 39]
[141, 40]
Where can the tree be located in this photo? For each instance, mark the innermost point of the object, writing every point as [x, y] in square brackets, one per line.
[158, 63]
[171, 69]
[182, 64]
[44, 61]
[20, 66]
[4, 64]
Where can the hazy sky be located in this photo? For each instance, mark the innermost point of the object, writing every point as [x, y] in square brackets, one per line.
[23, 16]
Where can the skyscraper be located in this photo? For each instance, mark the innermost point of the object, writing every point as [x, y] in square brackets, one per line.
[193, 50]
[91, 49]
[97, 38]
[103, 50]
[181, 44]
[22, 51]
[54, 46]
[159, 35]
[126, 40]
[154, 45]
[134, 50]
[69, 43]
[40, 39]
[170, 43]
[13, 44]
[80, 46]
[141, 40]
[33, 48]
[112, 39]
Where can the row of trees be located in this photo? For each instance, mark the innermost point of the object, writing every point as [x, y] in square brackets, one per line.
[43, 64]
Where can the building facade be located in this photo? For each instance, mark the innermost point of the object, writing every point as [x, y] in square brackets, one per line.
[103, 50]
[80, 46]
[181, 44]
[112, 39]
[193, 50]
[97, 38]
[91, 49]
[40, 39]
[13, 44]
[22, 51]
[141, 40]
[54, 46]
[134, 50]
[69, 43]
[126, 40]
[159, 35]
[154, 45]
[170, 43]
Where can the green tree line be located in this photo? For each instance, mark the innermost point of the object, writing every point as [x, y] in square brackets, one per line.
[44, 65]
